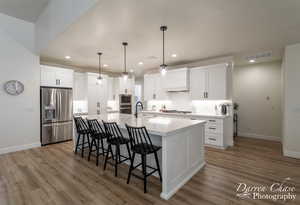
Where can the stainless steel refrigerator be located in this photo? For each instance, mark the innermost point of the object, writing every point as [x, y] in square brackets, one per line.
[56, 115]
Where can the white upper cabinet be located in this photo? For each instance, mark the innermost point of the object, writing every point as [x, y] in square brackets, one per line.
[211, 82]
[80, 87]
[112, 86]
[154, 88]
[177, 80]
[56, 77]
[126, 86]
[97, 94]
[198, 85]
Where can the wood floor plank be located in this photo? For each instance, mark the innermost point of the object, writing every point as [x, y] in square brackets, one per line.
[55, 175]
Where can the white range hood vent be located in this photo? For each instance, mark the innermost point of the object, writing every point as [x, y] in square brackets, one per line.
[177, 80]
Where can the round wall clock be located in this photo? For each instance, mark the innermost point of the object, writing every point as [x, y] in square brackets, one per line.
[13, 87]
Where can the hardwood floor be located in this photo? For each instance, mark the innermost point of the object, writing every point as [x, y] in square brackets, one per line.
[54, 175]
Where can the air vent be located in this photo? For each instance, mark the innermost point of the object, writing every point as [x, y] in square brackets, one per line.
[259, 56]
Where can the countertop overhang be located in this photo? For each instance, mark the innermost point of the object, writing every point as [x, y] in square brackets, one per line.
[191, 115]
[162, 126]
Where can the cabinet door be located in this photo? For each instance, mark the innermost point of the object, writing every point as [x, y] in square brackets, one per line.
[198, 83]
[64, 77]
[48, 76]
[160, 90]
[149, 87]
[80, 87]
[125, 85]
[217, 83]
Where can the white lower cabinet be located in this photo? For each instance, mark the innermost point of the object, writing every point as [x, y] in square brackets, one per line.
[218, 131]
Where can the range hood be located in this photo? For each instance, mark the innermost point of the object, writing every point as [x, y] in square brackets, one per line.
[177, 80]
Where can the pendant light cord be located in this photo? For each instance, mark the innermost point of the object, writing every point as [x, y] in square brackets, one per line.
[125, 44]
[163, 47]
[125, 58]
[99, 63]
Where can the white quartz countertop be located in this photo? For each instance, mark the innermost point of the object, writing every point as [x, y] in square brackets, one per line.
[186, 114]
[162, 126]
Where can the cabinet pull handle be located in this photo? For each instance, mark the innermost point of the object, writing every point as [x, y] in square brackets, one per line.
[212, 128]
[206, 94]
[212, 139]
[154, 96]
[212, 121]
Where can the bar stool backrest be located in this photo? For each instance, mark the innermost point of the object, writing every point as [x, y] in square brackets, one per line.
[112, 130]
[95, 127]
[139, 136]
[81, 125]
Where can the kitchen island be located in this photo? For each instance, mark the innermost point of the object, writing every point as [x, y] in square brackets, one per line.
[182, 141]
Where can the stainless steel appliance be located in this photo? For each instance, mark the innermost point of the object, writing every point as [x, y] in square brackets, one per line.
[56, 115]
[125, 104]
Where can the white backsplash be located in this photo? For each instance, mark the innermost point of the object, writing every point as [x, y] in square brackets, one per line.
[182, 101]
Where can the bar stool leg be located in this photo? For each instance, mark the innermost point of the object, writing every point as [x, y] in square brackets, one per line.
[157, 165]
[77, 143]
[116, 160]
[107, 154]
[144, 172]
[82, 145]
[131, 167]
[89, 157]
[97, 151]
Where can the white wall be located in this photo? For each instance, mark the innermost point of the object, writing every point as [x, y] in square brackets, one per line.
[257, 90]
[19, 124]
[291, 101]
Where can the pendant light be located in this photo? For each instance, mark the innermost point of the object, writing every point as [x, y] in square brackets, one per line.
[99, 79]
[163, 66]
[125, 73]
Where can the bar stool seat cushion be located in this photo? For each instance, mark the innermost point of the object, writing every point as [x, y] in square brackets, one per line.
[143, 148]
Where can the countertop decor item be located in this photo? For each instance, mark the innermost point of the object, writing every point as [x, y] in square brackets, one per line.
[14, 87]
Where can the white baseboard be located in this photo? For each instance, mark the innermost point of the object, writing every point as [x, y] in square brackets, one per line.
[292, 154]
[19, 148]
[168, 195]
[258, 136]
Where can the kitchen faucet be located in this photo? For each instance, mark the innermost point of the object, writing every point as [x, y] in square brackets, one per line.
[138, 103]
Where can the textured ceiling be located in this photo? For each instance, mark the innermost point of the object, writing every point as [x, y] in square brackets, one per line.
[197, 29]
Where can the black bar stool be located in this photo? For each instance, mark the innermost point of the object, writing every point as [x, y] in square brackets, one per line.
[115, 138]
[97, 135]
[84, 132]
[142, 144]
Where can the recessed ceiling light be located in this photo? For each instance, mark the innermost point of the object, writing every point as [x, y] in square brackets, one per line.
[252, 61]
[141, 63]
[131, 70]
[105, 65]
[174, 55]
[68, 57]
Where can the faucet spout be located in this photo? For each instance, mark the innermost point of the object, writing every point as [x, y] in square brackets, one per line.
[138, 103]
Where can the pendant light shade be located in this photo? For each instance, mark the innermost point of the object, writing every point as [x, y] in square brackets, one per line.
[163, 66]
[125, 73]
[99, 79]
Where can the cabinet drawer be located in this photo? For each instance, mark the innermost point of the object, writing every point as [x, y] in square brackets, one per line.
[214, 128]
[213, 139]
[214, 122]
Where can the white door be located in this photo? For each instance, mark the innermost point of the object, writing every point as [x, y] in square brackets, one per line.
[198, 83]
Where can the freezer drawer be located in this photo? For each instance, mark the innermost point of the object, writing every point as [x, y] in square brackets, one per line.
[56, 132]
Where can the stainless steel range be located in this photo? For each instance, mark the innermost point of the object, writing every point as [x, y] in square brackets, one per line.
[56, 115]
